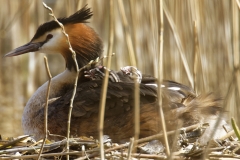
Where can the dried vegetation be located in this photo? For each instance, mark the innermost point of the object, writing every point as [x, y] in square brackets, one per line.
[200, 49]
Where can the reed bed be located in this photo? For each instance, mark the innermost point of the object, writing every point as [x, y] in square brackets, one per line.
[200, 47]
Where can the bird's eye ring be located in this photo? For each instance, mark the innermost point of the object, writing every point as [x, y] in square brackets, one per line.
[49, 36]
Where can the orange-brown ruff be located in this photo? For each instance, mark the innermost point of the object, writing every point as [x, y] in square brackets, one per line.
[180, 101]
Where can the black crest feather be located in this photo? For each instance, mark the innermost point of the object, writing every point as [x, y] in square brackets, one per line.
[80, 16]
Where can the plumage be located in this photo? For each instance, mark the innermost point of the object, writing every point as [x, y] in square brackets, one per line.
[80, 16]
[86, 106]
[180, 102]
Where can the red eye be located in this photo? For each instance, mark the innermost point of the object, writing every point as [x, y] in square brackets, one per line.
[49, 36]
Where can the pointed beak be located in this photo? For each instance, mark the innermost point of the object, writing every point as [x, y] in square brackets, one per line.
[29, 47]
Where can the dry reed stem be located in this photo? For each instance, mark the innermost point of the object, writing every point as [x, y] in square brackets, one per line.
[48, 146]
[196, 55]
[202, 35]
[224, 156]
[155, 30]
[235, 10]
[43, 155]
[221, 114]
[140, 155]
[134, 22]
[235, 79]
[231, 87]
[11, 143]
[76, 79]
[136, 155]
[21, 11]
[229, 134]
[197, 63]
[105, 80]
[157, 136]
[46, 106]
[160, 74]
[179, 44]
[175, 140]
[127, 33]
[212, 133]
[136, 112]
[133, 63]
[130, 149]
[150, 138]
[238, 3]
[74, 142]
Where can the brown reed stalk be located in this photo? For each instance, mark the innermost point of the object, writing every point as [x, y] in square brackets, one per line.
[130, 149]
[127, 34]
[105, 80]
[133, 63]
[160, 74]
[179, 43]
[153, 137]
[235, 79]
[236, 8]
[46, 107]
[196, 53]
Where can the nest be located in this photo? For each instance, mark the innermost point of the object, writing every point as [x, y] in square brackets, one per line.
[185, 145]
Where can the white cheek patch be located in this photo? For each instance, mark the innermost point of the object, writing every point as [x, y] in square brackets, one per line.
[52, 45]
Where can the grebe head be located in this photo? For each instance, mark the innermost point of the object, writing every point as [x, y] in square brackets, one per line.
[50, 39]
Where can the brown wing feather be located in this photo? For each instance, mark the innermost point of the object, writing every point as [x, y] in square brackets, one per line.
[86, 106]
[119, 112]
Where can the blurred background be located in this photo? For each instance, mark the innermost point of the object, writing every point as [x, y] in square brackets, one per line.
[202, 33]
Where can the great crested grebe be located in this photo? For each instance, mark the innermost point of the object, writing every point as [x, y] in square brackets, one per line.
[180, 102]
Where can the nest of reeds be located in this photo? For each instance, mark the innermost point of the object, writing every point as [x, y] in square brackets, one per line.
[185, 146]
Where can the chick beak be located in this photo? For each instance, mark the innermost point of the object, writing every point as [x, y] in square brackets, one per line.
[29, 47]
